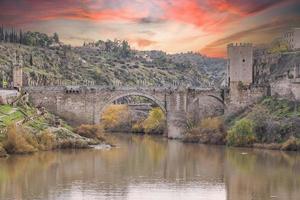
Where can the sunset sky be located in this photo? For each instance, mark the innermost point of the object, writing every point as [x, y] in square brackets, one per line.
[204, 26]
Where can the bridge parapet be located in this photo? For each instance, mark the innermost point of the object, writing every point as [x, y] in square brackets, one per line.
[84, 104]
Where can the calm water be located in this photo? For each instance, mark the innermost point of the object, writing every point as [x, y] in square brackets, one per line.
[152, 168]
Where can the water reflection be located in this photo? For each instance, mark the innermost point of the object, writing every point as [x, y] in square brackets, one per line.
[151, 168]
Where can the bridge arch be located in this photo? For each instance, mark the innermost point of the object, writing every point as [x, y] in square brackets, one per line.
[157, 101]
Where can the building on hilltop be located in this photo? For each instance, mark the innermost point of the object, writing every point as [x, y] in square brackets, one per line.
[292, 38]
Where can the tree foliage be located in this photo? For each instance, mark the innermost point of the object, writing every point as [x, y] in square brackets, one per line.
[27, 38]
[241, 134]
[155, 122]
[115, 116]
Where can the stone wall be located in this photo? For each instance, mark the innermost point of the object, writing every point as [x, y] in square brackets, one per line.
[8, 96]
[288, 88]
[292, 38]
[245, 95]
[297, 38]
[84, 105]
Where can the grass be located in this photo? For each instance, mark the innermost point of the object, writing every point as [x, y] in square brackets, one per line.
[37, 133]
[281, 107]
[38, 124]
[13, 117]
[5, 109]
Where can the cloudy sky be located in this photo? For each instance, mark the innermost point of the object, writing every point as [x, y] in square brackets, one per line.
[204, 26]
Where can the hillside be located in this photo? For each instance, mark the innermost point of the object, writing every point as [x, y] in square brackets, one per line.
[108, 63]
[26, 129]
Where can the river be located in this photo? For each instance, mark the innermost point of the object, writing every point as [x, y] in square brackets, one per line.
[152, 168]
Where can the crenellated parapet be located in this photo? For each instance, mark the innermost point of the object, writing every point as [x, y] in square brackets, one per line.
[240, 45]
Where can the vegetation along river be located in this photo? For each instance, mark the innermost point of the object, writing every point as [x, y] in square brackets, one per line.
[144, 167]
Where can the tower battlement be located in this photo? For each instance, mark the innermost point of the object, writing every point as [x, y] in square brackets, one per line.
[240, 45]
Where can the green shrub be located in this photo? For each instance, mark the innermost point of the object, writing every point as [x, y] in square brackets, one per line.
[155, 122]
[266, 128]
[275, 120]
[281, 108]
[241, 134]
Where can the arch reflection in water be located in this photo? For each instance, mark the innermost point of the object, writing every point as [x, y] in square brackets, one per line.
[151, 168]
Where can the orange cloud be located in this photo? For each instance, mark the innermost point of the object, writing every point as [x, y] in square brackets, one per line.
[142, 42]
[210, 15]
[213, 15]
[206, 20]
[108, 14]
[189, 11]
[260, 34]
[35, 10]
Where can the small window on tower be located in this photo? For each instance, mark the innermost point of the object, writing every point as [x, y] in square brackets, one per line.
[244, 60]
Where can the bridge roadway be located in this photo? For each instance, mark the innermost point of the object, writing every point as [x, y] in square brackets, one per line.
[85, 104]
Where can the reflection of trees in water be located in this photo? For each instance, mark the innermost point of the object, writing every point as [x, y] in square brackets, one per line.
[149, 160]
[260, 174]
[19, 173]
[138, 160]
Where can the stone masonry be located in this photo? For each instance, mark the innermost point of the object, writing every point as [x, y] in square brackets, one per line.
[84, 105]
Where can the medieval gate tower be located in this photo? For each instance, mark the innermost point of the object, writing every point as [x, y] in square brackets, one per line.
[240, 68]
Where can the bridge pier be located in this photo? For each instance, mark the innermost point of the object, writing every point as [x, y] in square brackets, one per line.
[84, 105]
[176, 114]
[176, 123]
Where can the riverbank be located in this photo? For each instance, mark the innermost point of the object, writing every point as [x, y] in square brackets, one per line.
[272, 123]
[26, 129]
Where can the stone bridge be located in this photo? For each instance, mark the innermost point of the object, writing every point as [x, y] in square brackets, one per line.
[85, 104]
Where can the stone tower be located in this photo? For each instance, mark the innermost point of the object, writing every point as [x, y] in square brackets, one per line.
[240, 64]
[18, 72]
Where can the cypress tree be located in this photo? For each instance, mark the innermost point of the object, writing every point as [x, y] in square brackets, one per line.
[56, 37]
[21, 37]
[31, 61]
[1, 33]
